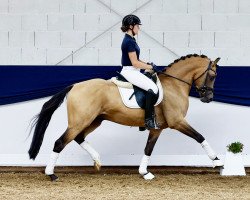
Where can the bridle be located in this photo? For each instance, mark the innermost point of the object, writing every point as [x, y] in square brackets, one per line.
[203, 88]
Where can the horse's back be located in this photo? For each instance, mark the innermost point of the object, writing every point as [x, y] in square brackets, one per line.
[94, 90]
[93, 82]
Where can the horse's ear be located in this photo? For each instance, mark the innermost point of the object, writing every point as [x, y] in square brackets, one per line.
[216, 60]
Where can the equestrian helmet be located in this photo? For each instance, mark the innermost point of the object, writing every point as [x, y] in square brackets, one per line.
[131, 20]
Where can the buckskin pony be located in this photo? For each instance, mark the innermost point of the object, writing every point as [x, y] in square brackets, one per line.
[90, 102]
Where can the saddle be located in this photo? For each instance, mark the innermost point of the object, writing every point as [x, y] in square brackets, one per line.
[133, 96]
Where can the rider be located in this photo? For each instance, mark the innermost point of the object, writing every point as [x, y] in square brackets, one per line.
[132, 65]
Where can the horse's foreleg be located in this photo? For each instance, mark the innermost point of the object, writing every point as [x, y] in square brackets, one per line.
[186, 129]
[152, 138]
[80, 139]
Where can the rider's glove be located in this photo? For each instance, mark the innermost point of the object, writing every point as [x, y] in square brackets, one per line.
[155, 67]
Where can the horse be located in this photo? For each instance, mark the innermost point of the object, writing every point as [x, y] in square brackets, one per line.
[92, 101]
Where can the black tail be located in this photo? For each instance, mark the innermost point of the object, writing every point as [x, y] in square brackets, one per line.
[41, 121]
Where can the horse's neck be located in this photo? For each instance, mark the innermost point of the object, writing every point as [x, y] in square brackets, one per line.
[183, 70]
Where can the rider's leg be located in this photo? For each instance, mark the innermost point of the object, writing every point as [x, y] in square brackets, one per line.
[149, 110]
[141, 81]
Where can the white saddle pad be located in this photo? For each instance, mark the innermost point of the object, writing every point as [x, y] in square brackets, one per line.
[127, 91]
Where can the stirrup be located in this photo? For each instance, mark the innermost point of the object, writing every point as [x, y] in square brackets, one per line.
[142, 128]
[149, 124]
[156, 124]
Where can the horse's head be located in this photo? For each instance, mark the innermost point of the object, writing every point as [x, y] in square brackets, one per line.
[205, 82]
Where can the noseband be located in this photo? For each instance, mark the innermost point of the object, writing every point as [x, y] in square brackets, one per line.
[204, 88]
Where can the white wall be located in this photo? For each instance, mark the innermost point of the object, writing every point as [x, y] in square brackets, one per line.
[46, 31]
[219, 123]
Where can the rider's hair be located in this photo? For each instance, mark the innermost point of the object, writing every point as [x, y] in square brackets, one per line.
[125, 28]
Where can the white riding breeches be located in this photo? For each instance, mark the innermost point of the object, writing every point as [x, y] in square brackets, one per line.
[135, 77]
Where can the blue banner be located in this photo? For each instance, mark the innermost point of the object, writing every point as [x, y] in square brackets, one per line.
[22, 83]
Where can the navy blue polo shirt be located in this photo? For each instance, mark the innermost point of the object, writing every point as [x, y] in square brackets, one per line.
[129, 45]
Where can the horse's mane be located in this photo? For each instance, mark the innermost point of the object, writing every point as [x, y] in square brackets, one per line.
[183, 58]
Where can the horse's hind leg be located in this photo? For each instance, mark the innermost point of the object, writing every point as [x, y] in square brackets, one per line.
[67, 137]
[80, 139]
[59, 145]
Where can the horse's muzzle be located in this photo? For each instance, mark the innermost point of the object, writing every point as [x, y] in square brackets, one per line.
[207, 98]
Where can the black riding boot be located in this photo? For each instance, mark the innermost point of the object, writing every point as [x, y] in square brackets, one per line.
[149, 110]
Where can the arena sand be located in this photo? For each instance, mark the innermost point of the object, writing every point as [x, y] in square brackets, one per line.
[108, 185]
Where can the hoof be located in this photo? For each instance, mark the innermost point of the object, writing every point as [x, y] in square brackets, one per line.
[217, 164]
[148, 176]
[97, 165]
[53, 177]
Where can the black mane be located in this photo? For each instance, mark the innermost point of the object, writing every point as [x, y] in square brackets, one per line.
[184, 57]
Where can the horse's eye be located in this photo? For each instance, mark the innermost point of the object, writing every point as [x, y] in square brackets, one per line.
[212, 78]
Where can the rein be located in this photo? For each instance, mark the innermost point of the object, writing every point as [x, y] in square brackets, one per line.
[168, 75]
[190, 84]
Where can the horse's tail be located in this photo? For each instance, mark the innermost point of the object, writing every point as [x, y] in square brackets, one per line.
[41, 121]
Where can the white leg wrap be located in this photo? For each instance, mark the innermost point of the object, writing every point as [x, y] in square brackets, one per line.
[210, 152]
[148, 176]
[144, 164]
[92, 152]
[52, 162]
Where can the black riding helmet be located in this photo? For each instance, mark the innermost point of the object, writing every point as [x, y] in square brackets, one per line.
[131, 20]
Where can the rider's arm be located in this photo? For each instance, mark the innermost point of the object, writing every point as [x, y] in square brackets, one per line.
[136, 63]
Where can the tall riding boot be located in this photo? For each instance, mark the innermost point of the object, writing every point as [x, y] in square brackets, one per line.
[149, 110]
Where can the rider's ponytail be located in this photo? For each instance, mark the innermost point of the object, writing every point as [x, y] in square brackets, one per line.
[124, 28]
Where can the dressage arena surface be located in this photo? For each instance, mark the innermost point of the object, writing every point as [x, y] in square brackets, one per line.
[123, 183]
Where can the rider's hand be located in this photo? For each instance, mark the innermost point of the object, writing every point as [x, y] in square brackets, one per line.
[155, 68]
[151, 71]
